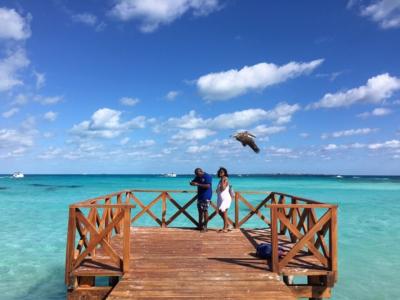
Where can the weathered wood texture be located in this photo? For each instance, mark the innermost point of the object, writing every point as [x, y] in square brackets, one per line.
[184, 263]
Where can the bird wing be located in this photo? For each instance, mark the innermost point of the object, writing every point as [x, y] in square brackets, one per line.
[252, 144]
[250, 134]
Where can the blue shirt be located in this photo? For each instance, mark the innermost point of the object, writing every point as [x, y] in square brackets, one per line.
[204, 194]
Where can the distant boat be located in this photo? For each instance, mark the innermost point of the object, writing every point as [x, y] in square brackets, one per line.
[18, 175]
[339, 176]
[172, 174]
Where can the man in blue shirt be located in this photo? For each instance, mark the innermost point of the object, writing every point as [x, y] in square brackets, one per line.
[203, 181]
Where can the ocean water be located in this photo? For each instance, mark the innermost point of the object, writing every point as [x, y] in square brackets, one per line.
[34, 213]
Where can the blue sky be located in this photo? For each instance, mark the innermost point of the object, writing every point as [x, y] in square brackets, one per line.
[135, 86]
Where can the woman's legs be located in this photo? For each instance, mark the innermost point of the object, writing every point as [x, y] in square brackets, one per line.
[226, 223]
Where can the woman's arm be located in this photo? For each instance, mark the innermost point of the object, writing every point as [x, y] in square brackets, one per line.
[224, 183]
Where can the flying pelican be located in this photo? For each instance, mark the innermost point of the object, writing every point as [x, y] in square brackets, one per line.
[247, 139]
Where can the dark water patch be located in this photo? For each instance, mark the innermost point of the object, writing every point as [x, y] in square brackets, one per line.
[3, 188]
[51, 189]
[54, 186]
[49, 288]
[38, 185]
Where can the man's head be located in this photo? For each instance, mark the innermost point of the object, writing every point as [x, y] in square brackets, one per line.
[199, 172]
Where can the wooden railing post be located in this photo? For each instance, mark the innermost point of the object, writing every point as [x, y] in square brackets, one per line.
[333, 242]
[282, 227]
[164, 209]
[70, 253]
[310, 224]
[107, 215]
[126, 239]
[274, 240]
[237, 226]
[293, 238]
[93, 220]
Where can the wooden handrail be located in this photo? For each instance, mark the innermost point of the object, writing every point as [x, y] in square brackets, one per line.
[306, 229]
[322, 205]
[101, 222]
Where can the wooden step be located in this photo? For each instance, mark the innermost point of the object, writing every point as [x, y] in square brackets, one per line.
[97, 267]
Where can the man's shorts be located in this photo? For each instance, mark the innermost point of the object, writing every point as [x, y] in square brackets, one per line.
[203, 205]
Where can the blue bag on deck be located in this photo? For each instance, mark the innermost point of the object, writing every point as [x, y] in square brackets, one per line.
[264, 250]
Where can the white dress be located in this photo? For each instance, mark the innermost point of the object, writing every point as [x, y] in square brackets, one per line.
[224, 198]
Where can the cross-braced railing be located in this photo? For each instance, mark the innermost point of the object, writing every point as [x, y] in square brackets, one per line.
[310, 226]
[91, 226]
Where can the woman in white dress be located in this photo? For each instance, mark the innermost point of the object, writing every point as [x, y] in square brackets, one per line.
[224, 197]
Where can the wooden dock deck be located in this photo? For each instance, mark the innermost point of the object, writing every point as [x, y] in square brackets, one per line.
[180, 263]
[169, 263]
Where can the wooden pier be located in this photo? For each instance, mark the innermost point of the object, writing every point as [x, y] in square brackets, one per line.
[111, 255]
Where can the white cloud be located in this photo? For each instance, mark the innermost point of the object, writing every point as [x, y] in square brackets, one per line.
[9, 68]
[48, 100]
[281, 150]
[106, 123]
[51, 153]
[280, 114]
[13, 25]
[331, 76]
[384, 12]
[238, 119]
[377, 112]
[40, 79]
[129, 101]
[171, 95]
[89, 20]
[14, 153]
[304, 135]
[331, 147]
[193, 134]
[20, 99]
[198, 149]
[263, 130]
[154, 13]
[124, 141]
[377, 89]
[13, 137]
[232, 83]
[10, 113]
[50, 116]
[48, 135]
[85, 18]
[144, 144]
[388, 144]
[349, 132]
[188, 121]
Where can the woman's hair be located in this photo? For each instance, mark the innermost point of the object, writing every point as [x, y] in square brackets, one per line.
[222, 169]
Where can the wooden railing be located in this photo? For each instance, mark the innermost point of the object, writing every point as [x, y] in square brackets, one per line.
[96, 221]
[305, 223]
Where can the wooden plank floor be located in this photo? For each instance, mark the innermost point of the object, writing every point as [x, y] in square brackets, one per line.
[184, 263]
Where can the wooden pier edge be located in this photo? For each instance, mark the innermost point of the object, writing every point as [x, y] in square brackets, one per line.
[302, 234]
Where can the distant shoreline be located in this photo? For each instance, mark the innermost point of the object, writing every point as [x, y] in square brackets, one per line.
[232, 175]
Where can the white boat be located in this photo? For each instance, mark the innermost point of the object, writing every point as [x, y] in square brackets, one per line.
[18, 175]
[339, 176]
[172, 174]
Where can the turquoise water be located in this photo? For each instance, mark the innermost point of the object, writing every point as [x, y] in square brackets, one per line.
[34, 221]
